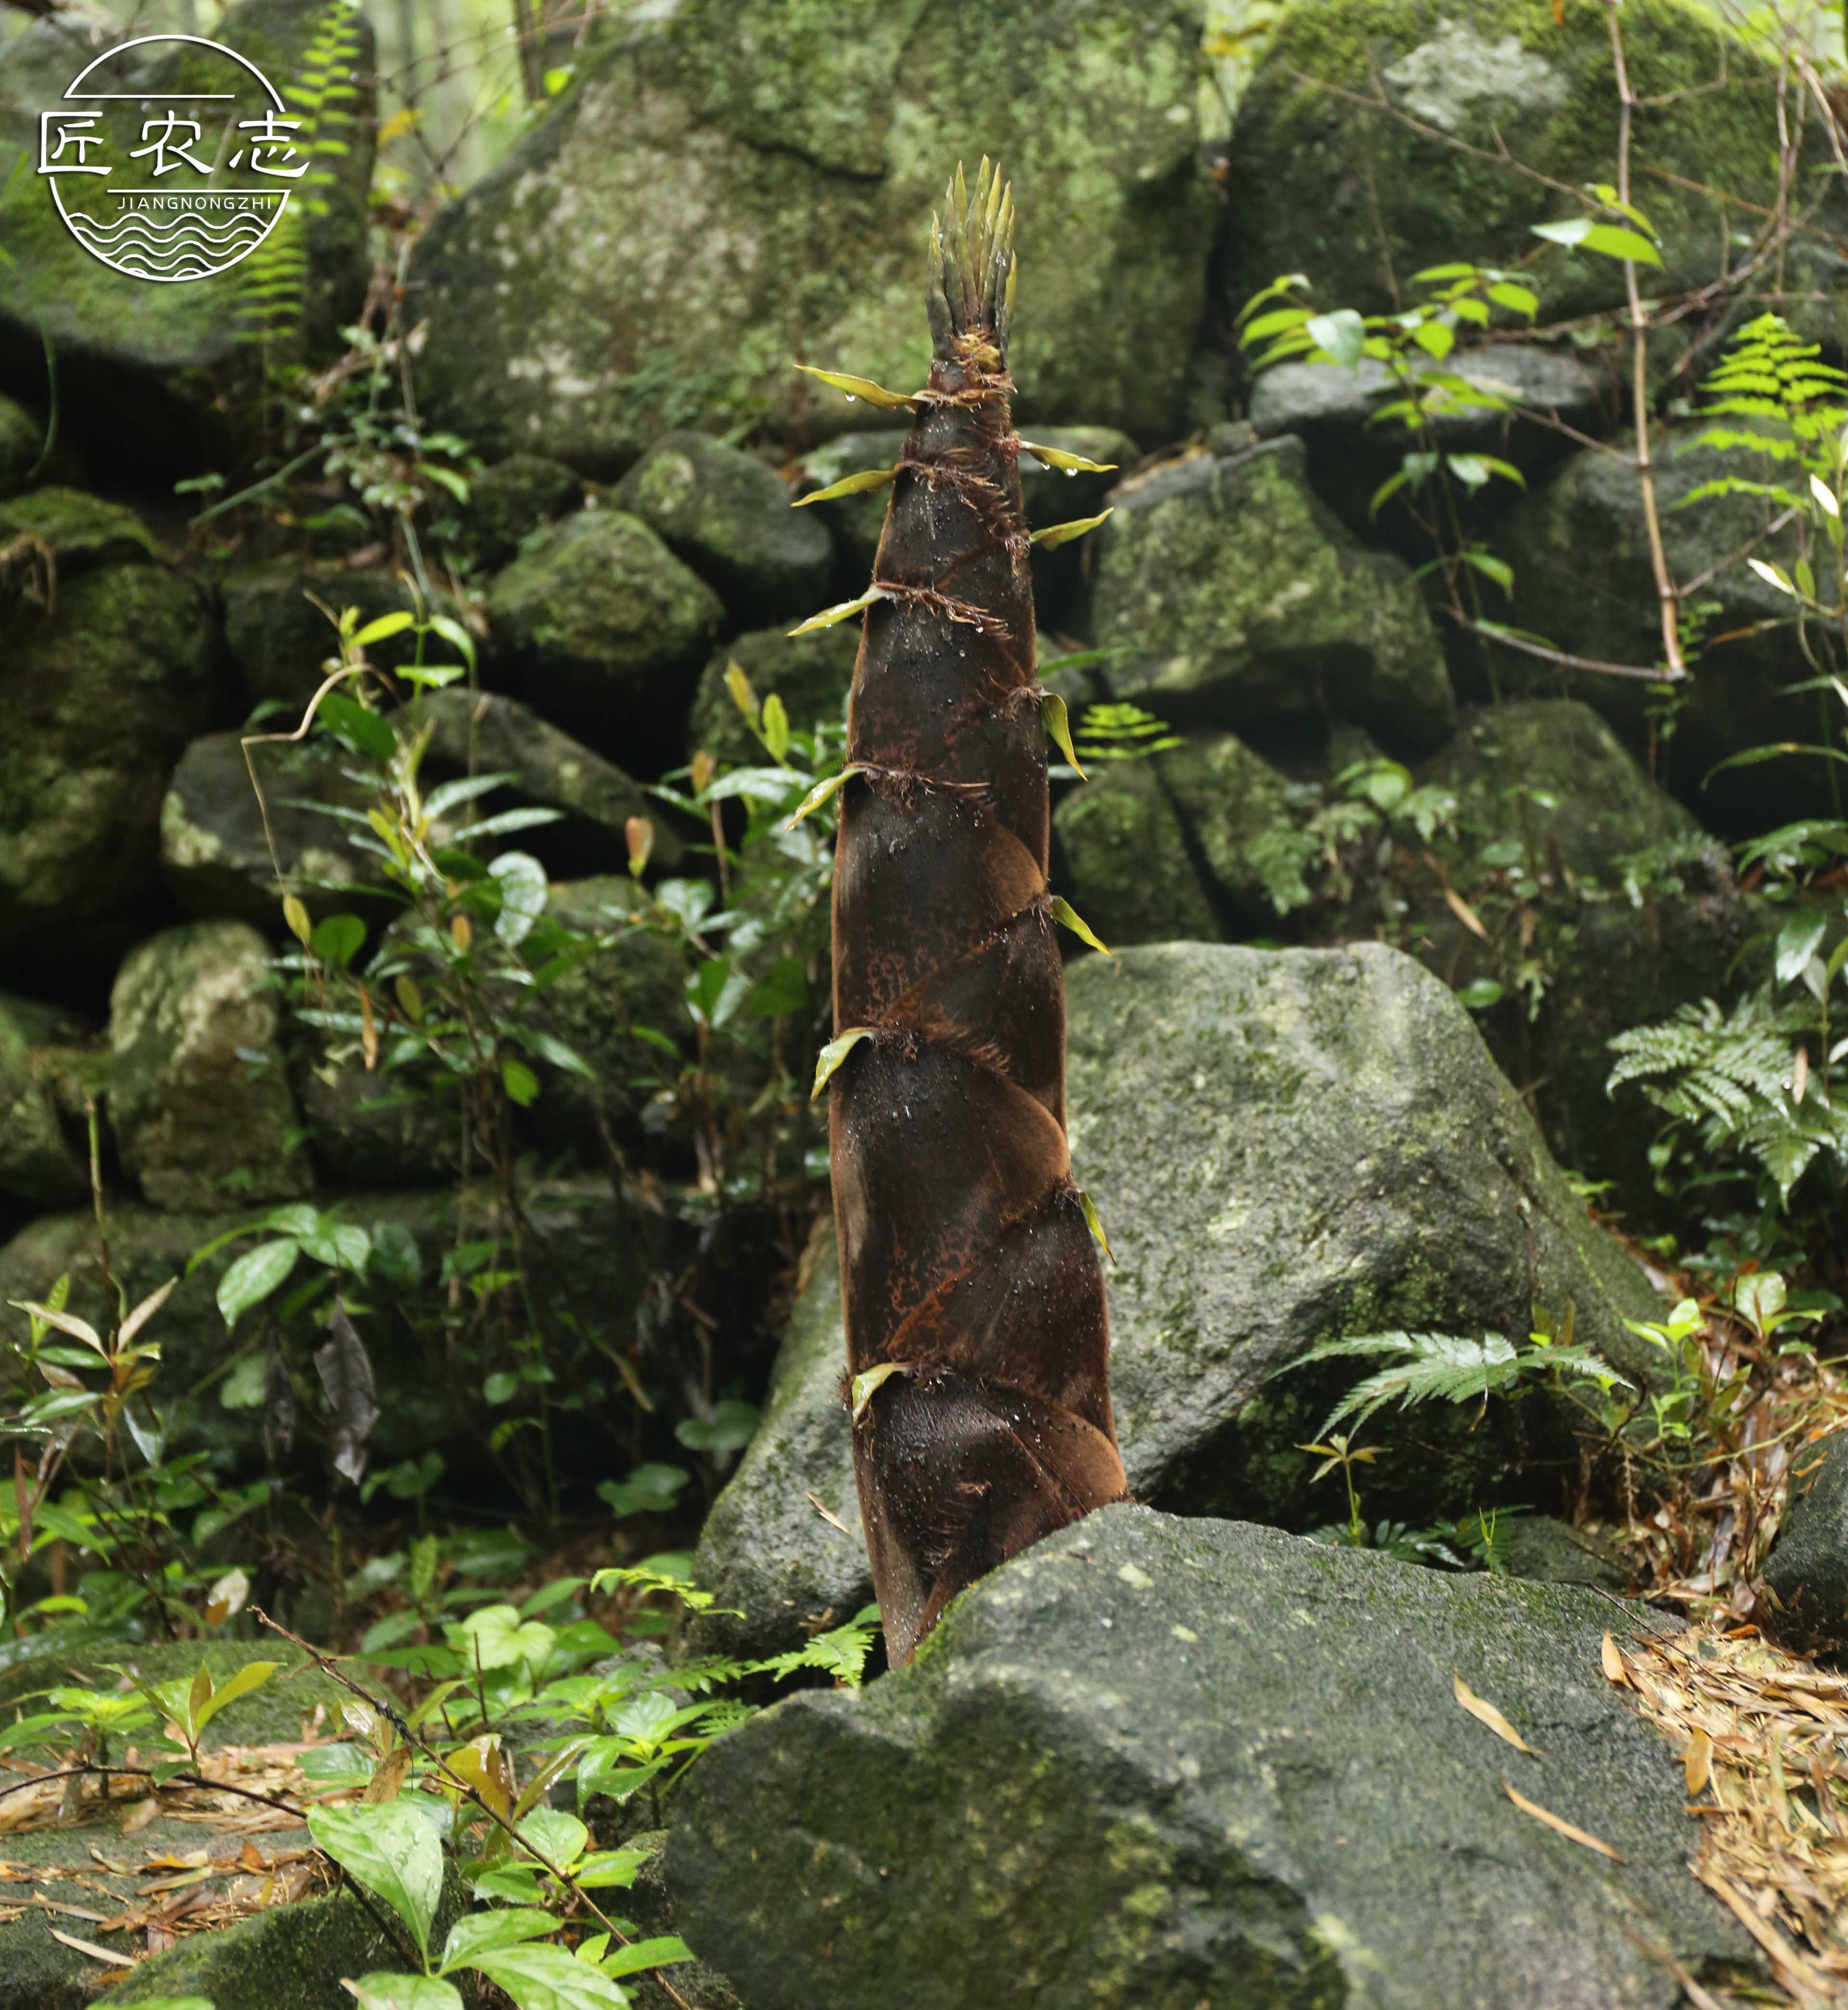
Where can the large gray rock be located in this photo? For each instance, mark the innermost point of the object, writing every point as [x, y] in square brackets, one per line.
[1284, 1147]
[1807, 1573]
[157, 378]
[604, 622]
[1582, 579]
[99, 697]
[728, 514]
[201, 1106]
[508, 501]
[1175, 1763]
[737, 184]
[1234, 596]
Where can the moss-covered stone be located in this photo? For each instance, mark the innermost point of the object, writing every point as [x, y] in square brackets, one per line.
[728, 515]
[158, 376]
[595, 1249]
[96, 702]
[1360, 198]
[1284, 1147]
[280, 640]
[215, 856]
[200, 1105]
[809, 674]
[604, 621]
[39, 1159]
[740, 182]
[81, 530]
[1171, 848]
[1582, 579]
[1233, 594]
[1164, 1763]
[477, 733]
[1807, 1573]
[507, 502]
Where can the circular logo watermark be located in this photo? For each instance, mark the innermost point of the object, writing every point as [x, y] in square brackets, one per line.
[170, 157]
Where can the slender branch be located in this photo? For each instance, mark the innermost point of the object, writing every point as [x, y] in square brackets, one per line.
[1528, 646]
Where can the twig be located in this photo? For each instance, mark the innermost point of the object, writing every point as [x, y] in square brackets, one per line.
[1564, 658]
[1639, 330]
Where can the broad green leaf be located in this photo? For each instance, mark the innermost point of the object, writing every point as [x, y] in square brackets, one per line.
[1059, 727]
[774, 726]
[404, 1992]
[255, 1274]
[547, 1978]
[522, 881]
[1055, 535]
[845, 610]
[474, 1932]
[831, 1056]
[1067, 463]
[560, 1838]
[1798, 940]
[1772, 576]
[386, 626]
[252, 1675]
[498, 1636]
[868, 1383]
[662, 1952]
[64, 1322]
[859, 387]
[394, 1852]
[1067, 916]
[1611, 239]
[519, 1081]
[850, 484]
[363, 731]
[455, 635]
[1435, 337]
[295, 916]
[341, 1246]
[1342, 334]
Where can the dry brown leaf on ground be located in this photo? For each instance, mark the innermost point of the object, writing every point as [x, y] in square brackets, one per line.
[1558, 1823]
[1485, 1712]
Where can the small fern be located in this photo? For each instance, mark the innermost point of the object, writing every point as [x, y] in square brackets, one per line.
[322, 94]
[1733, 1075]
[1770, 376]
[1121, 733]
[1429, 1367]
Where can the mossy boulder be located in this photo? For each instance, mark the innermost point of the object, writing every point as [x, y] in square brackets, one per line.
[604, 623]
[768, 172]
[198, 1097]
[81, 530]
[21, 438]
[281, 641]
[157, 379]
[215, 856]
[728, 515]
[99, 699]
[1176, 847]
[1171, 1763]
[1583, 579]
[594, 1248]
[1234, 596]
[1806, 1577]
[39, 1158]
[480, 732]
[809, 674]
[507, 502]
[1284, 1147]
[1360, 194]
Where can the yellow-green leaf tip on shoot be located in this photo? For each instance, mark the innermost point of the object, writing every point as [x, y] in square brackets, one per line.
[1095, 1226]
[848, 485]
[868, 1384]
[1067, 464]
[831, 1056]
[1068, 916]
[1058, 725]
[830, 616]
[860, 387]
[828, 786]
[1055, 535]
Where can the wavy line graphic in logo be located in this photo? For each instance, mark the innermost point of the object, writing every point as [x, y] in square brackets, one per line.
[215, 210]
[143, 246]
